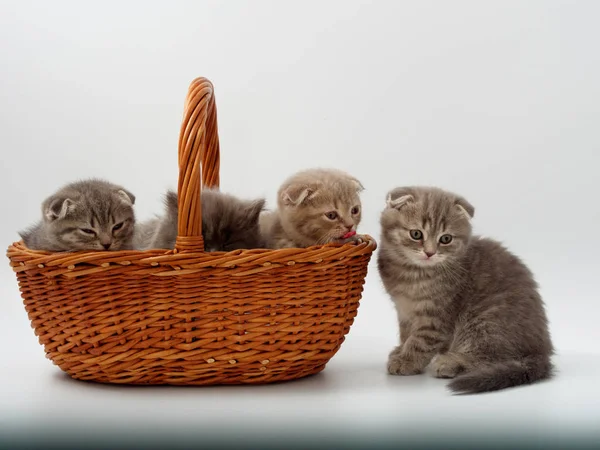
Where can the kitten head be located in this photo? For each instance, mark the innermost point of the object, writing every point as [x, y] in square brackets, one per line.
[90, 215]
[319, 206]
[229, 223]
[426, 226]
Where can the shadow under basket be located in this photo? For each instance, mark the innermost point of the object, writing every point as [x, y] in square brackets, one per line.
[189, 317]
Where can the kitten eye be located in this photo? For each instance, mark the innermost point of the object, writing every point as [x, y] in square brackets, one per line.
[355, 210]
[445, 239]
[417, 235]
[87, 231]
[118, 226]
[331, 215]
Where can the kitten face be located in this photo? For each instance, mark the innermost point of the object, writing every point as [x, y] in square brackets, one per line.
[91, 215]
[229, 223]
[326, 219]
[320, 206]
[427, 226]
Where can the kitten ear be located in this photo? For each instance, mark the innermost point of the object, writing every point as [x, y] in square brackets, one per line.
[126, 196]
[57, 208]
[297, 194]
[465, 207]
[400, 196]
[171, 203]
[398, 202]
[357, 184]
[254, 209]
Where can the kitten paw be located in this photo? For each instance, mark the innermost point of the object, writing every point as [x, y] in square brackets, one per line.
[356, 239]
[401, 366]
[446, 366]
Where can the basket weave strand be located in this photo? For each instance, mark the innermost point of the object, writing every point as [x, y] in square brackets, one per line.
[186, 316]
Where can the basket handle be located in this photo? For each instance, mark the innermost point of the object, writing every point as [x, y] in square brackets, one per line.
[199, 161]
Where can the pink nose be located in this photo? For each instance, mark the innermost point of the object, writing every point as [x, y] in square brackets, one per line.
[430, 254]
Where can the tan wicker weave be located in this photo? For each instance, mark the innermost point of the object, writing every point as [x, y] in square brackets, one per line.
[189, 317]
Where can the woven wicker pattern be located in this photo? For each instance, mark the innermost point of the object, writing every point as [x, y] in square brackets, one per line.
[189, 317]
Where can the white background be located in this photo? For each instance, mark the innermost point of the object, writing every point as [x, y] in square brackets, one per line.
[498, 101]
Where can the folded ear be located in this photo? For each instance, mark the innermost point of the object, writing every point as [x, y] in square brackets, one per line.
[397, 203]
[357, 184]
[126, 196]
[399, 197]
[170, 200]
[254, 208]
[55, 208]
[465, 207]
[297, 194]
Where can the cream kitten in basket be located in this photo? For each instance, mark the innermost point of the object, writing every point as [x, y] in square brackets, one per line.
[314, 207]
[84, 215]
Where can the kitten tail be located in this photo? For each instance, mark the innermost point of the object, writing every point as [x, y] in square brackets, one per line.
[501, 375]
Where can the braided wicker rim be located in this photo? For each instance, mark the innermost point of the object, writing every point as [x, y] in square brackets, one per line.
[173, 263]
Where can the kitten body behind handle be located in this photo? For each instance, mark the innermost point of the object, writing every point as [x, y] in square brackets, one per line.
[466, 306]
[314, 207]
[84, 215]
[228, 223]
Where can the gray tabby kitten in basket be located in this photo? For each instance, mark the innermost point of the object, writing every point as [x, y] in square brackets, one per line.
[315, 207]
[228, 223]
[84, 215]
[466, 305]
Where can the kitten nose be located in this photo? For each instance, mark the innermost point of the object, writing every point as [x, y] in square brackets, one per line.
[429, 254]
[105, 241]
[349, 226]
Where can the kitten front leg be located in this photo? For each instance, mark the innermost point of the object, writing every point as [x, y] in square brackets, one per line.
[284, 243]
[404, 331]
[413, 355]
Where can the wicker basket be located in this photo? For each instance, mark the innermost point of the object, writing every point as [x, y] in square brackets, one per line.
[186, 316]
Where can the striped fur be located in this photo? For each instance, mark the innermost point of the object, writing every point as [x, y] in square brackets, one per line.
[468, 309]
